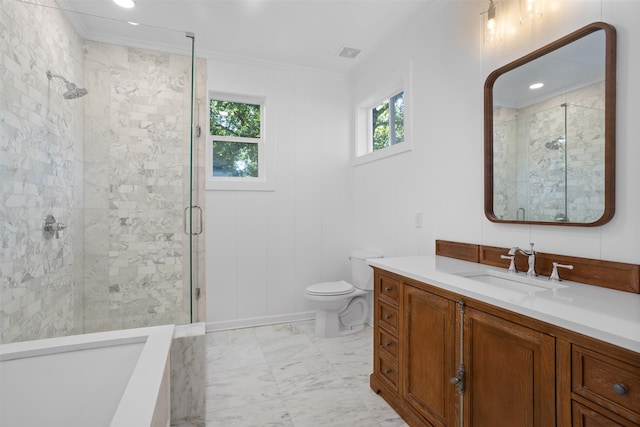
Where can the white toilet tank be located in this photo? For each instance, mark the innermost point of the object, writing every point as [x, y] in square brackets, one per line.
[361, 272]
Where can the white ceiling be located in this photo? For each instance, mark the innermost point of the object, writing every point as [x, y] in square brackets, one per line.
[578, 64]
[307, 33]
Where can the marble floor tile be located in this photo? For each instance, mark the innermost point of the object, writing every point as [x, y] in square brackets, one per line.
[235, 356]
[238, 387]
[283, 375]
[288, 347]
[304, 375]
[232, 336]
[271, 413]
[332, 407]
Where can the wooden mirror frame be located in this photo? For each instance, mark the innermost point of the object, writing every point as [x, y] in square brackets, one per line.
[609, 120]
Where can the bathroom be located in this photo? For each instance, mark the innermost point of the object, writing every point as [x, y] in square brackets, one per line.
[323, 202]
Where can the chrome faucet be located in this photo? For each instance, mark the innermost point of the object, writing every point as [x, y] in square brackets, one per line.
[512, 263]
[531, 254]
[555, 277]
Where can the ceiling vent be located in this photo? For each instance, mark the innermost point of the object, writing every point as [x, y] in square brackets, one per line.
[349, 52]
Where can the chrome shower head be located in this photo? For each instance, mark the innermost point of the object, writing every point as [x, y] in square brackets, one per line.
[552, 145]
[73, 91]
[555, 144]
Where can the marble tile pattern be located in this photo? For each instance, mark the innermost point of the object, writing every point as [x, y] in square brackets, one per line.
[540, 172]
[188, 351]
[283, 375]
[41, 154]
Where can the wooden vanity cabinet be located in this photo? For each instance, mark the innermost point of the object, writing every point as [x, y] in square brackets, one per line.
[518, 371]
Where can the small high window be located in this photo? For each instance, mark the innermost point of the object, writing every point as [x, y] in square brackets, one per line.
[387, 122]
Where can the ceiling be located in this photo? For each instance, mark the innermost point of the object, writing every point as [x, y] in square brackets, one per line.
[307, 33]
[575, 65]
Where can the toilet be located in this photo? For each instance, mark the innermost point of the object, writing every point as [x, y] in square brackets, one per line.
[341, 307]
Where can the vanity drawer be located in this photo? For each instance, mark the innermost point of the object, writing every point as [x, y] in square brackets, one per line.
[608, 382]
[388, 317]
[388, 344]
[388, 289]
[586, 417]
[389, 372]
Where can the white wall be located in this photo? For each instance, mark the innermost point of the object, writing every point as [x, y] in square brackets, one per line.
[264, 248]
[443, 174]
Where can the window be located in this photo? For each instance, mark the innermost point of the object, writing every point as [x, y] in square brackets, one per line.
[236, 151]
[387, 122]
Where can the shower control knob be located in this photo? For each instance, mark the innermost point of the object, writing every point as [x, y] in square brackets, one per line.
[58, 226]
[52, 228]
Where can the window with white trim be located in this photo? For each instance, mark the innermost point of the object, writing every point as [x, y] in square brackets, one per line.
[236, 157]
[387, 122]
[382, 125]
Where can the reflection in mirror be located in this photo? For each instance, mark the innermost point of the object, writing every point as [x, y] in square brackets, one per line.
[549, 151]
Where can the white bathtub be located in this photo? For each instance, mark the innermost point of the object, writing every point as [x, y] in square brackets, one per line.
[111, 379]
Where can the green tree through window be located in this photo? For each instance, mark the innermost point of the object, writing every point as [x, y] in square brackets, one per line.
[388, 122]
[236, 131]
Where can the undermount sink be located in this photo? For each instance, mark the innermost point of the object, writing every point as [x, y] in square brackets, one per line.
[517, 283]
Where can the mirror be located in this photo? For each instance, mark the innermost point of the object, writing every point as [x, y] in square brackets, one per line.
[549, 153]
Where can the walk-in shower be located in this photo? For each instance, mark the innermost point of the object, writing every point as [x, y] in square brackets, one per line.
[73, 91]
[114, 166]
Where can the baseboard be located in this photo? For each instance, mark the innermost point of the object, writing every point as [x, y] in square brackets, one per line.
[259, 321]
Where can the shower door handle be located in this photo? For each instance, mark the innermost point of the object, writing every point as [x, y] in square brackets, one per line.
[185, 223]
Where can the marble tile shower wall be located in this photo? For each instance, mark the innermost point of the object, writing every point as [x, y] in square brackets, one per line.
[136, 162]
[538, 171]
[41, 173]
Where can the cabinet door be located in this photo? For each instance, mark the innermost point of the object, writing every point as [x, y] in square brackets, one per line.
[510, 373]
[428, 356]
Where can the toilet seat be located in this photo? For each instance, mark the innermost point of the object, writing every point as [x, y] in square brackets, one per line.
[330, 288]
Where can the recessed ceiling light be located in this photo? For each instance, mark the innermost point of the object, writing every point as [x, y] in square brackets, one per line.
[125, 3]
[536, 86]
[349, 52]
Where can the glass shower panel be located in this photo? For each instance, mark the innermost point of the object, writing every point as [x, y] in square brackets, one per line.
[585, 162]
[137, 167]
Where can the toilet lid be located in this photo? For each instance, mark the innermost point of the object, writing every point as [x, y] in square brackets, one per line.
[330, 288]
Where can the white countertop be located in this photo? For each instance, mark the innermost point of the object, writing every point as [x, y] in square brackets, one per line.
[605, 314]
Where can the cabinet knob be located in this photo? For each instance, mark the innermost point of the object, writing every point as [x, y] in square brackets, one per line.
[387, 344]
[388, 289]
[387, 316]
[454, 380]
[620, 389]
[387, 371]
